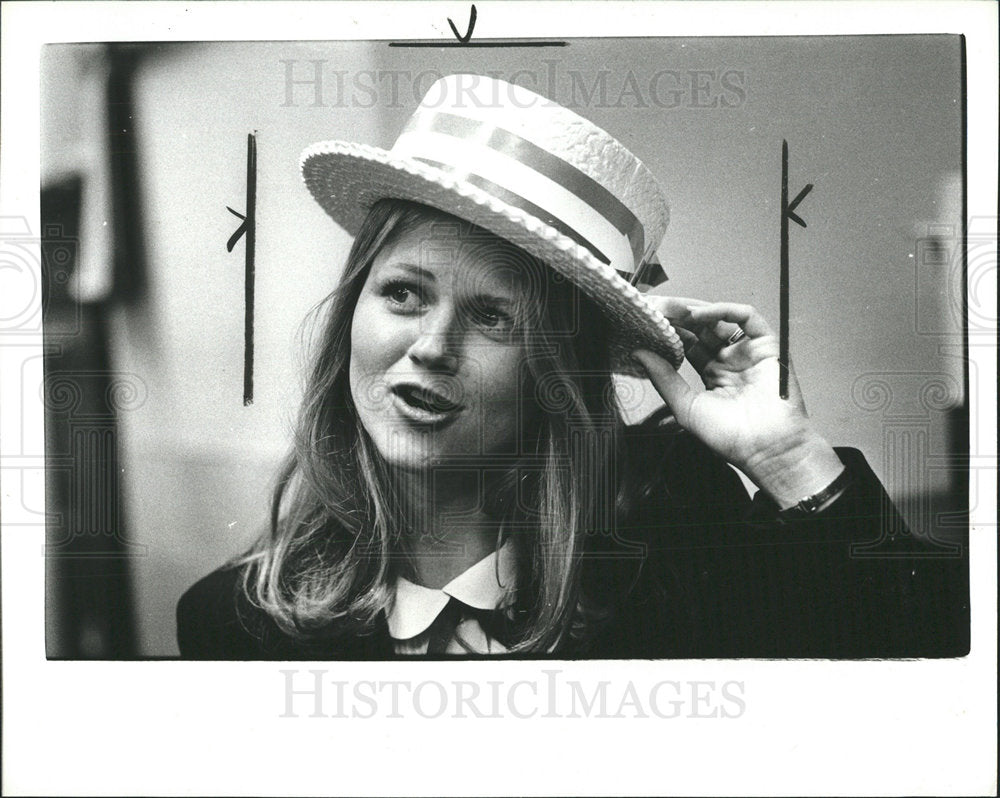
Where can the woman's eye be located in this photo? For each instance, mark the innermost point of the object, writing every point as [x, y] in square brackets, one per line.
[492, 318]
[489, 318]
[405, 296]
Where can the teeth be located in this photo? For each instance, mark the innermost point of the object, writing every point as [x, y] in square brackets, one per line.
[425, 400]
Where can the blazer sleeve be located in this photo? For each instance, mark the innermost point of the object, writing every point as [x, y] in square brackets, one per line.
[849, 582]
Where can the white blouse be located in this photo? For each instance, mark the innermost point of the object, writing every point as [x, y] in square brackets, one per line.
[482, 586]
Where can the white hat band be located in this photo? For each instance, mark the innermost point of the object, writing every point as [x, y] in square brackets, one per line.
[521, 174]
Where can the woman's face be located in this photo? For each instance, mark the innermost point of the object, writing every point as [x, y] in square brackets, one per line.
[437, 346]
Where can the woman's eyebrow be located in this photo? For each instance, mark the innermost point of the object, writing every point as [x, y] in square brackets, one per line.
[487, 298]
[414, 269]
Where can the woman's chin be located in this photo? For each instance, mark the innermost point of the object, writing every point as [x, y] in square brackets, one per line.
[409, 451]
[412, 448]
[413, 463]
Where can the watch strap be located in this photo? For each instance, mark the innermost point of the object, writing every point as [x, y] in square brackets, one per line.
[810, 505]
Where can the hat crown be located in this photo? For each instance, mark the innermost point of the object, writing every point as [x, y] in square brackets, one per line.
[496, 105]
[529, 171]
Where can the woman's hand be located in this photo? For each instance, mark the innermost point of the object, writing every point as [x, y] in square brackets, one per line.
[740, 415]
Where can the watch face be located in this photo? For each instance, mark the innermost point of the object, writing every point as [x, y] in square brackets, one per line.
[809, 505]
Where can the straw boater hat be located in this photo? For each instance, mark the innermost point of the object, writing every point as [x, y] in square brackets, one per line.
[537, 174]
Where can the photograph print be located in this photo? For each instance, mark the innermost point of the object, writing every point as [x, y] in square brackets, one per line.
[584, 349]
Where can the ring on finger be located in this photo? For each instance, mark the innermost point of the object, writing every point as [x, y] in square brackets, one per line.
[737, 336]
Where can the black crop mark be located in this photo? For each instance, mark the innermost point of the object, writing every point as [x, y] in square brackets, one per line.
[248, 228]
[466, 40]
[787, 212]
[468, 33]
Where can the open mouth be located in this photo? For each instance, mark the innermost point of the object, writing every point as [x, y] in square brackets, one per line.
[425, 402]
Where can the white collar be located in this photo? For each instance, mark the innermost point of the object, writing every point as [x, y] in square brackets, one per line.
[415, 607]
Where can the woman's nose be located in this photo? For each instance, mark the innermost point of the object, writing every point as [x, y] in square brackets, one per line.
[436, 345]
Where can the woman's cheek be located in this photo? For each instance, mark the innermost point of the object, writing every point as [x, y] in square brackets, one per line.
[376, 338]
[503, 375]
[372, 353]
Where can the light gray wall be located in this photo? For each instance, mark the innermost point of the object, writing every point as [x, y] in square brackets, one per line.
[873, 122]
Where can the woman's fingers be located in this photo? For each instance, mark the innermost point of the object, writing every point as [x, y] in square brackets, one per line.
[699, 313]
[744, 316]
[717, 335]
[698, 353]
[687, 337]
[717, 324]
[675, 308]
[668, 383]
[695, 351]
[710, 331]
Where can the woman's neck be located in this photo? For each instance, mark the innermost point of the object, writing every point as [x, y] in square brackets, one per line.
[448, 529]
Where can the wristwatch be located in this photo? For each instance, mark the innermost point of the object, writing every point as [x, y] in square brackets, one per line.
[810, 505]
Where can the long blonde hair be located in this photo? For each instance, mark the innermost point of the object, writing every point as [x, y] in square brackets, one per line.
[328, 562]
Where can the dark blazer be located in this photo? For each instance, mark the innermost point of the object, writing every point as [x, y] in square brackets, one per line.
[695, 569]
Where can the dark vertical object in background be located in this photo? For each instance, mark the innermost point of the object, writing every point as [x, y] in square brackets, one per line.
[126, 189]
[961, 440]
[90, 605]
[953, 522]
[783, 280]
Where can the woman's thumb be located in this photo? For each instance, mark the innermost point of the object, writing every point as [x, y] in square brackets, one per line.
[668, 383]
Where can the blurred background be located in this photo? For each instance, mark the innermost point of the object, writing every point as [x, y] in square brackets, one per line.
[157, 472]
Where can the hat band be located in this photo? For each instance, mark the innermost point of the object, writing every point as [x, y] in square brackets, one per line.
[523, 174]
[520, 202]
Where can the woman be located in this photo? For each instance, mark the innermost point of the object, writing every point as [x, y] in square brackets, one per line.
[461, 480]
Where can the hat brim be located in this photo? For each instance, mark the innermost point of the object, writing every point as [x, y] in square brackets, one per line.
[347, 178]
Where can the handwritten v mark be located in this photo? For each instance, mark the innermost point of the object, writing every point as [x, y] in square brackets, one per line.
[468, 34]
